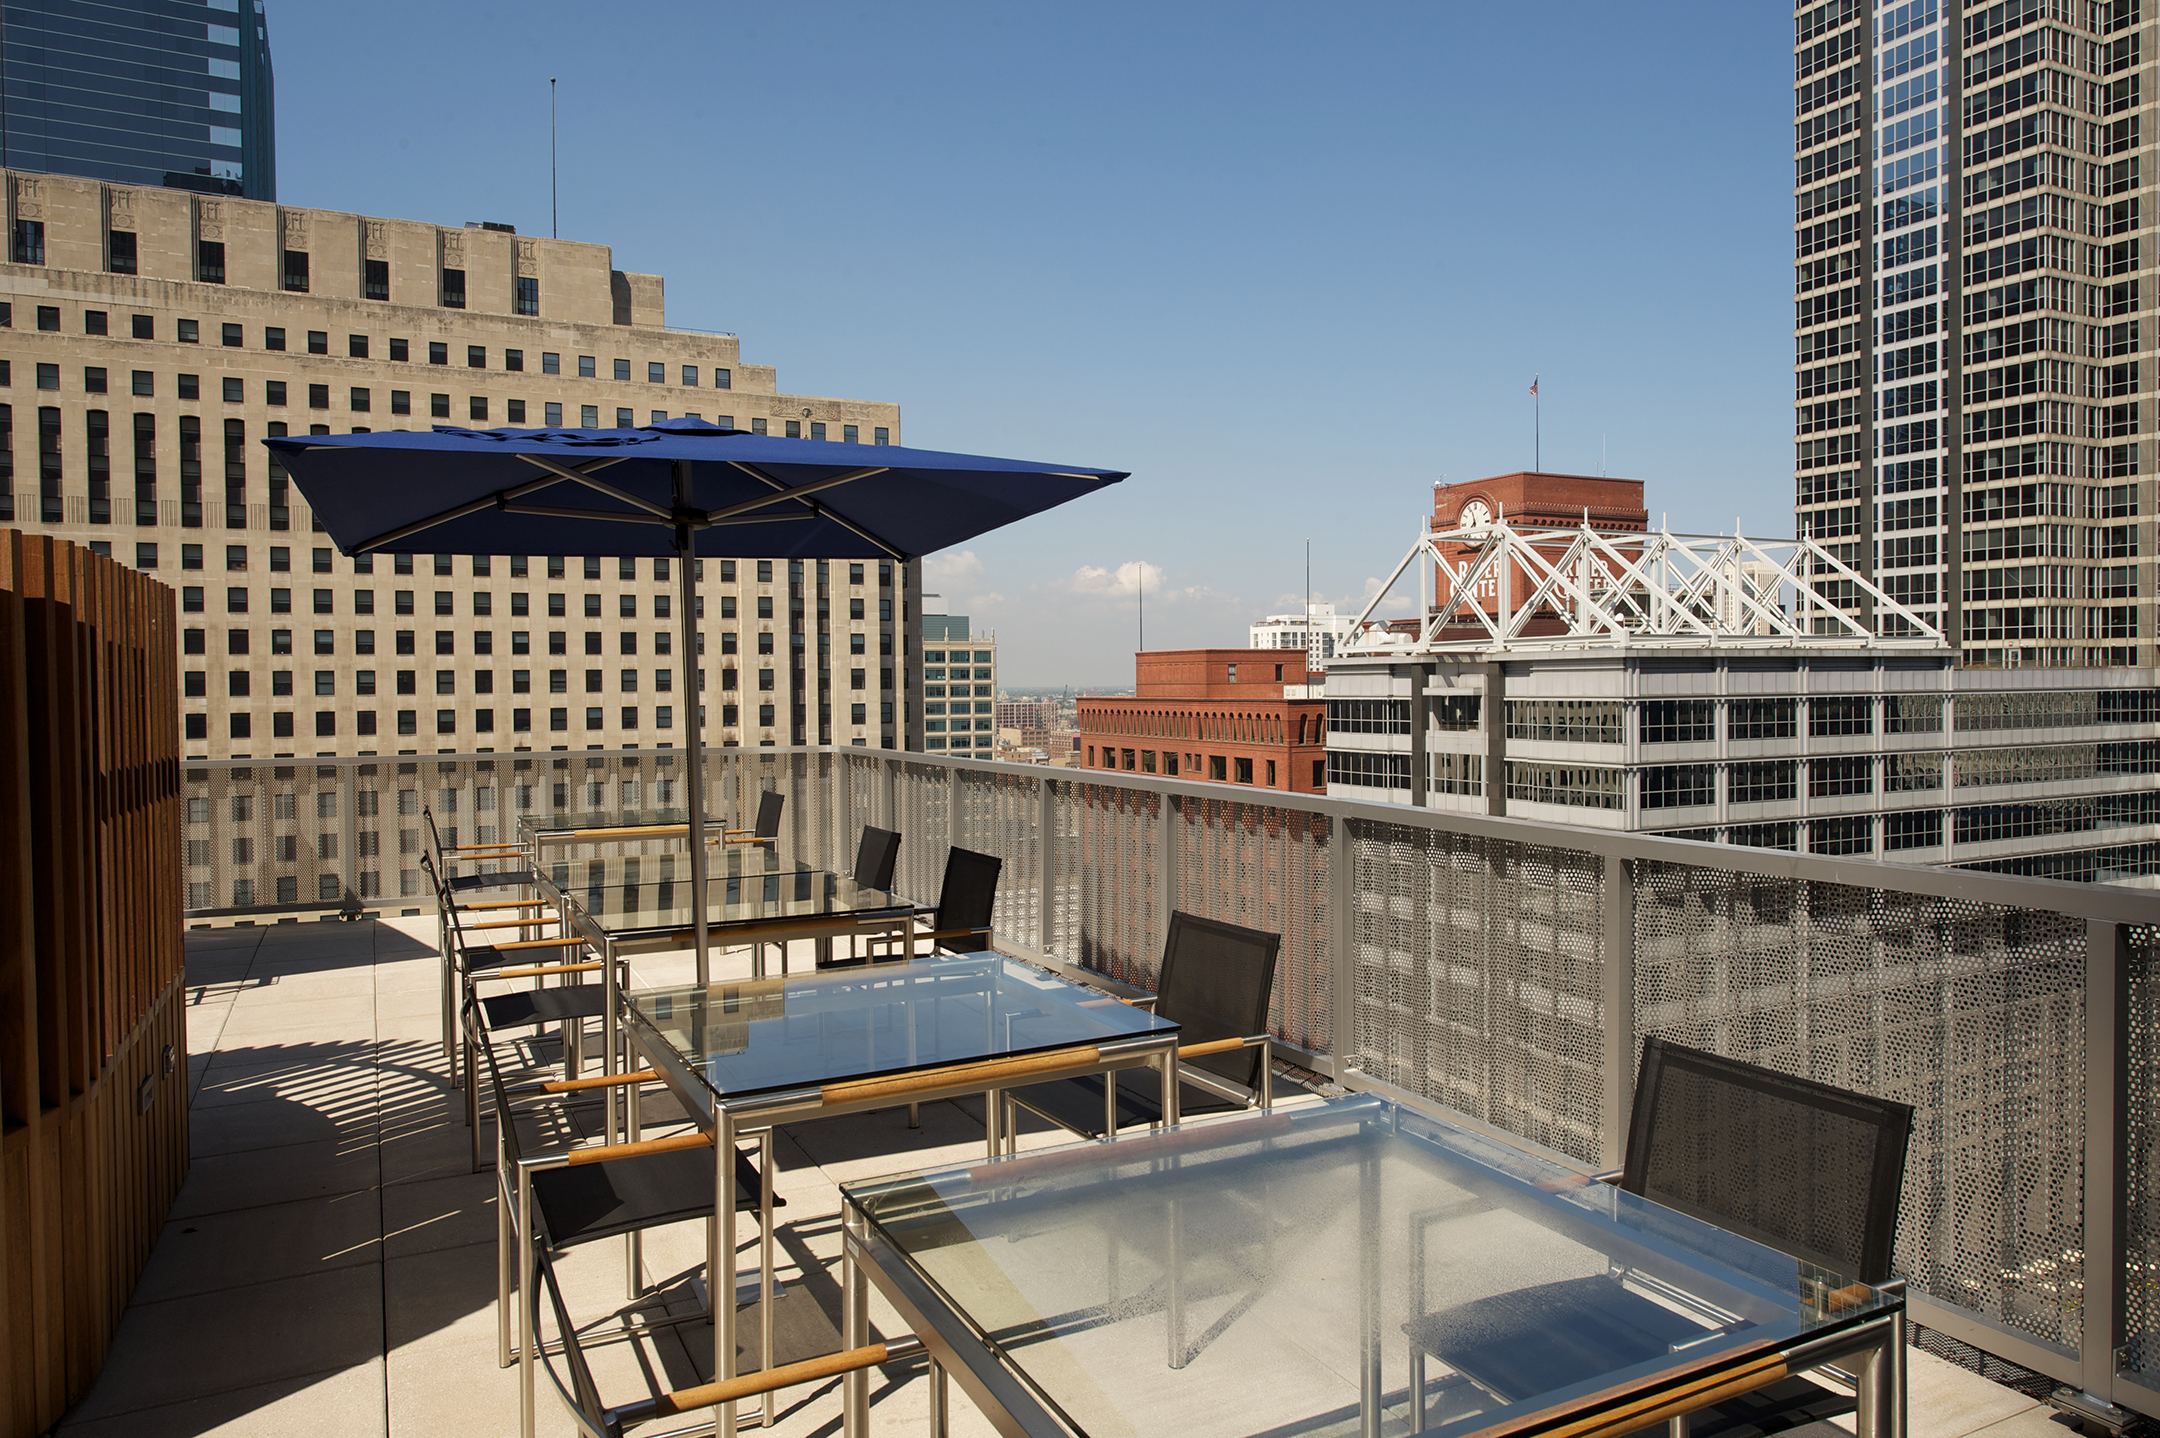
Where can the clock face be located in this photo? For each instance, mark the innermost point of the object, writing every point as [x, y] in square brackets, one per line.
[1474, 515]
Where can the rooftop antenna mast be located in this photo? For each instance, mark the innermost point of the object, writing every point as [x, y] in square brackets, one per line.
[1308, 607]
[1140, 588]
[554, 202]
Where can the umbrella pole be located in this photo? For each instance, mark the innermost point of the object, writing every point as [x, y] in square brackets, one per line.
[686, 599]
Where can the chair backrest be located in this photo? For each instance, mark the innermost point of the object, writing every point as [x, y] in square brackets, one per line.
[769, 805]
[968, 898]
[1216, 981]
[505, 1122]
[875, 857]
[434, 835]
[1811, 1170]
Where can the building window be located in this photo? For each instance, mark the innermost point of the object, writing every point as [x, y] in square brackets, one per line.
[439, 406]
[378, 283]
[622, 369]
[1371, 771]
[757, 426]
[29, 247]
[1834, 717]
[585, 367]
[794, 429]
[120, 252]
[1761, 718]
[1679, 786]
[186, 332]
[209, 262]
[93, 322]
[655, 373]
[881, 435]
[1853, 835]
[1679, 721]
[453, 289]
[296, 271]
[362, 401]
[514, 411]
[144, 326]
[318, 342]
[850, 434]
[528, 295]
[318, 396]
[477, 407]
[93, 377]
[589, 416]
[624, 419]
[552, 416]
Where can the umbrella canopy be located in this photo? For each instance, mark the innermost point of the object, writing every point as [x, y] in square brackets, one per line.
[678, 488]
[627, 491]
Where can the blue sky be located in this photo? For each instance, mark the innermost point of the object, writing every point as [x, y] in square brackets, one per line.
[1289, 265]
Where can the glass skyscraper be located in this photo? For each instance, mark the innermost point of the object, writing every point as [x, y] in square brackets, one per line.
[1972, 190]
[140, 92]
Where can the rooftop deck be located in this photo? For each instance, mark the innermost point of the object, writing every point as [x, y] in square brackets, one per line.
[329, 1265]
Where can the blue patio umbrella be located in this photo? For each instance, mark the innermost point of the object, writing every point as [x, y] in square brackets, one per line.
[679, 489]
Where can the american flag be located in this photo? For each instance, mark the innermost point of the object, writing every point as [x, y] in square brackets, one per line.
[1533, 383]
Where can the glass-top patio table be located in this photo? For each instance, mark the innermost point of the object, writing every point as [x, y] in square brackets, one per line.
[748, 1055]
[607, 825]
[1348, 1268]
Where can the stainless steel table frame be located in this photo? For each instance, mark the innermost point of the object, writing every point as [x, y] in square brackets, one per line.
[1046, 1349]
[732, 1119]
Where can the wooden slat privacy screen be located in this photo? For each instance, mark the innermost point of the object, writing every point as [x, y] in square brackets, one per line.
[93, 1043]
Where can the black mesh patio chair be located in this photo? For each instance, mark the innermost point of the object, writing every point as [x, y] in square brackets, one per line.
[1807, 1169]
[965, 904]
[877, 854]
[464, 960]
[767, 828]
[1215, 984]
[551, 1202]
[519, 874]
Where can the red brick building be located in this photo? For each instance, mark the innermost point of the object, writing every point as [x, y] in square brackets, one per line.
[1235, 716]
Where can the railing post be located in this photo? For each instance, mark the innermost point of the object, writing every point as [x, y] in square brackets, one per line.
[1167, 826]
[1619, 1006]
[1046, 847]
[1342, 917]
[348, 782]
[2106, 1049]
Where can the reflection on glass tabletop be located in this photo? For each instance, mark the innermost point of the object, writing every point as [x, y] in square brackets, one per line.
[765, 1035]
[792, 892]
[618, 869]
[530, 824]
[1217, 1280]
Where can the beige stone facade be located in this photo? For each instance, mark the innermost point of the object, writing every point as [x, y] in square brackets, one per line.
[134, 409]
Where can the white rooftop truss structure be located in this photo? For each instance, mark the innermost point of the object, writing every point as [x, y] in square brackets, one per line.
[1654, 590]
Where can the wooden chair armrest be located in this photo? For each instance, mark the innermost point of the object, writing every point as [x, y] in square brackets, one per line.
[1218, 1046]
[486, 851]
[750, 1385]
[516, 944]
[506, 904]
[987, 1073]
[579, 1085]
[539, 970]
[505, 924]
[609, 1152]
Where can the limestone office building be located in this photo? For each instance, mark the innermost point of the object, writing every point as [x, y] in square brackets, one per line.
[150, 338]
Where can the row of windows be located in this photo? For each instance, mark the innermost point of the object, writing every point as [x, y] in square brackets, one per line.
[366, 722]
[403, 602]
[1694, 721]
[233, 336]
[360, 399]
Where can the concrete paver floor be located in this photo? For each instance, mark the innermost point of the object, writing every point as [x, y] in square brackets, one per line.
[329, 1266]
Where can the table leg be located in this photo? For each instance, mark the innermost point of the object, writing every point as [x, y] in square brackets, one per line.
[940, 1399]
[611, 996]
[1676, 1426]
[720, 1272]
[854, 1332]
[1174, 1275]
[993, 1138]
[765, 1268]
[1875, 1414]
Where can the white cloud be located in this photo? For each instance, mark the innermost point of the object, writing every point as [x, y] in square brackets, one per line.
[1123, 582]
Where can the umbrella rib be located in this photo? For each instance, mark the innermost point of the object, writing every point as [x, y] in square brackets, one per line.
[555, 512]
[490, 501]
[786, 492]
[579, 476]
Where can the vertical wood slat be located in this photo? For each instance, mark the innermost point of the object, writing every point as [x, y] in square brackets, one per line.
[91, 970]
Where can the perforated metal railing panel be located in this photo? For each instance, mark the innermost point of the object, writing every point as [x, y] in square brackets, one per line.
[1121, 896]
[922, 794]
[1972, 1013]
[2141, 1142]
[1266, 867]
[1001, 814]
[1478, 980]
